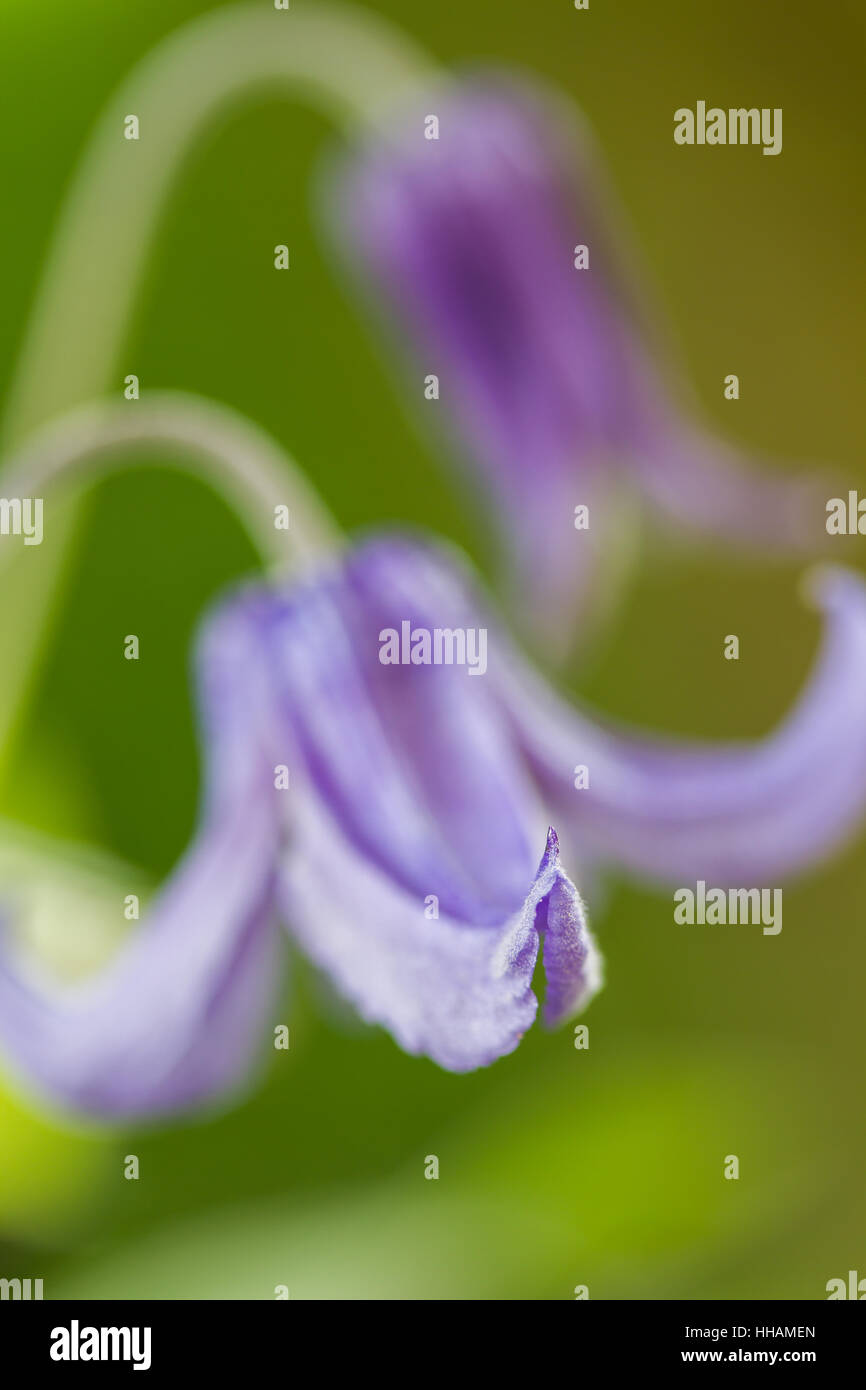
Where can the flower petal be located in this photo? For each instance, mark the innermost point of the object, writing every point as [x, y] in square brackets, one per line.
[572, 964]
[448, 989]
[409, 874]
[178, 1015]
[733, 813]
[445, 988]
[708, 487]
[414, 760]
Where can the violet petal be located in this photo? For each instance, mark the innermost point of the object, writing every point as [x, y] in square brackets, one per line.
[178, 1015]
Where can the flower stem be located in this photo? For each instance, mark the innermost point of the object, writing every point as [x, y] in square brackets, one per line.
[351, 63]
[347, 61]
[238, 459]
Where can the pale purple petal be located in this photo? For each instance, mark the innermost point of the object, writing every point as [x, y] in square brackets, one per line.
[416, 762]
[572, 965]
[410, 873]
[451, 990]
[448, 989]
[711, 488]
[740, 813]
[179, 1014]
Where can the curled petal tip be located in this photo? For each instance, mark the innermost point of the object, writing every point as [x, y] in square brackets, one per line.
[739, 812]
[550, 858]
[822, 586]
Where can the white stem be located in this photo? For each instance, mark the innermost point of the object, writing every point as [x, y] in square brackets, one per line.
[237, 458]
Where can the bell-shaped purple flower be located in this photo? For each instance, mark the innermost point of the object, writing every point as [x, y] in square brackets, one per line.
[411, 872]
[493, 250]
[383, 767]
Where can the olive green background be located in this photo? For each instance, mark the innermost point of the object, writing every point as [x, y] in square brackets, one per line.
[558, 1167]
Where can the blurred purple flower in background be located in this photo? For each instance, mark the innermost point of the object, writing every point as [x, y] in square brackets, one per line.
[555, 380]
[403, 853]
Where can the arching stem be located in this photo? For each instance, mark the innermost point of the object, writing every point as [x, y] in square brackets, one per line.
[242, 462]
[349, 62]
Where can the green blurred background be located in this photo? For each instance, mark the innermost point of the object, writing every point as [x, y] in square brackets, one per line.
[558, 1167]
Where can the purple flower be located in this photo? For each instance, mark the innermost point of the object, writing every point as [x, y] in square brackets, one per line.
[551, 373]
[403, 853]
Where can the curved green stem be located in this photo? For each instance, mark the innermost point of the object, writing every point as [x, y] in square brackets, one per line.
[238, 459]
[349, 62]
